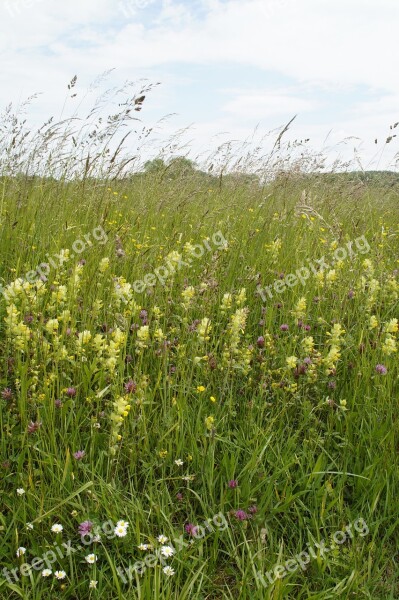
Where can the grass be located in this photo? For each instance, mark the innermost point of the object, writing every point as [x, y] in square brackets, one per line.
[312, 445]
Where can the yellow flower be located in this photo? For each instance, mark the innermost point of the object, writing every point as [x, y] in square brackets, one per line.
[331, 276]
[200, 389]
[104, 265]
[300, 308]
[209, 421]
[389, 345]
[212, 399]
[163, 453]
[203, 330]
[291, 361]
[392, 326]
[373, 322]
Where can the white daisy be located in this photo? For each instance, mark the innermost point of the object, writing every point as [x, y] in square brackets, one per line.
[179, 462]
[93, 584]
[162, 539]
[29, 526]
[167, 551]
[122, 524]
[143, 547]
[21, 551]
[20, 491]
[91, 559]
[46, 572]
[168, 571]
[60, 574]
[57, 528]
[120, 531]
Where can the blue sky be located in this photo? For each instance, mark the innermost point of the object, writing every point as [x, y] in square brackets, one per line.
[225, 67]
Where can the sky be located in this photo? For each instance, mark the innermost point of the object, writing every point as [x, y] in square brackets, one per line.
[226, 67]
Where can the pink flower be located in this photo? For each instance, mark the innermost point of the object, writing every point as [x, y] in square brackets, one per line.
[71, 392]
[233, 483]
[241, 515]
[381, 370]
[6, 394]
[33, 427]
[130, 387]
[260, 341]
[79, 454]
[85, 528]
[190, 528]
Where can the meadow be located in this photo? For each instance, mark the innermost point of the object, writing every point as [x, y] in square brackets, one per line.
[171, 430]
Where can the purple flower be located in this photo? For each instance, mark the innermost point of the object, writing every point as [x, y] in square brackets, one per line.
[6, 394]
[253, 509]
[381, 370]
[58, 403]
[71, 392]
[284, 327]
[79, 454]
[33, 427]
[233, 483]
[190, 528]
[307, 328]
[307, 361]
[85, 528]
[130, 387]
[179, 496]
[241, 515]
[351, 294]
[260, 342]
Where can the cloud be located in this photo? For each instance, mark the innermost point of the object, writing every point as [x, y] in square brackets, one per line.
[339, 58]
[265, 104]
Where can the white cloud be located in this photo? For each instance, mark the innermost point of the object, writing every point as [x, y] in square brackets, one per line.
[272, 103]
[319, 44]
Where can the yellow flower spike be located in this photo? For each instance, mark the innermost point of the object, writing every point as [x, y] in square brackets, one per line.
[291, 362]
[209, 421]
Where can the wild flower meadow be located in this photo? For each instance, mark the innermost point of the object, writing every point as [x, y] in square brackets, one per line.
[186, 436]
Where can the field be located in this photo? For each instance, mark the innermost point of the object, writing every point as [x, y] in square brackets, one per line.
[199, 387]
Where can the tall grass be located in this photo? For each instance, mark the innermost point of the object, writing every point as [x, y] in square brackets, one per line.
[312, 446]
